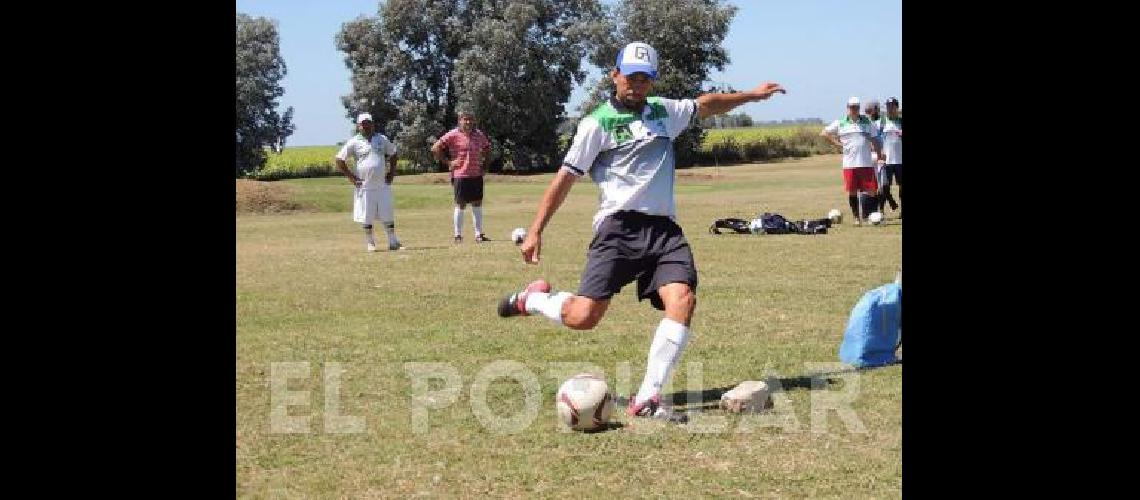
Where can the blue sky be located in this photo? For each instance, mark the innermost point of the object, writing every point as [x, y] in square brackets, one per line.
[822, 51]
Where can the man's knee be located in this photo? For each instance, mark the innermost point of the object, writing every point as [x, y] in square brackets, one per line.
[583, 313]
[679, 299]
[684, 301]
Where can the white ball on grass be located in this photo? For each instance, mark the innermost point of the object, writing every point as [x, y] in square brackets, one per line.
[584, 402]
[835, 215]
[518, 235]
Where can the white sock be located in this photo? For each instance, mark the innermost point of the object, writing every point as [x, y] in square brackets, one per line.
[668, 343]
[477, 219]
[457, 221]
[369, 237]
[547, 304]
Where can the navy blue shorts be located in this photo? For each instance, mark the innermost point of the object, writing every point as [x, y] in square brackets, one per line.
[467, 189]
[632, 246]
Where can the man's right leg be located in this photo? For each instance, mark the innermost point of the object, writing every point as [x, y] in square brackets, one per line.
[457, 221]
[576, 312]
[364, 212]
[613, 260]
[611, 263]
[369, 238]
[849, 185]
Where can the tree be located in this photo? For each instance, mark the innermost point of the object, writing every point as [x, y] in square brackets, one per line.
[512, 62]
[687, 35]
[260, 69]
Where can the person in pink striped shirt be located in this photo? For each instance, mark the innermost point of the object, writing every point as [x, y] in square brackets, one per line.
[466, 149]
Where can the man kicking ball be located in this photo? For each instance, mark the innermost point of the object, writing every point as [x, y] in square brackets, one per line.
[626, 145]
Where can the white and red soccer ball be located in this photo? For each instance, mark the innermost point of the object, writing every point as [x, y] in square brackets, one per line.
[584, 402]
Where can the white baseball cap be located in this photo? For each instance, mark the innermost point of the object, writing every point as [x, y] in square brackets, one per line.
[638, 57]
[853, 101]
[363, 116]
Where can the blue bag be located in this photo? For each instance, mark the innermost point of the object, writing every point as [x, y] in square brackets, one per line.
[874, 330]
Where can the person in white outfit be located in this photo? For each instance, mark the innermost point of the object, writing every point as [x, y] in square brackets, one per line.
[373, 194]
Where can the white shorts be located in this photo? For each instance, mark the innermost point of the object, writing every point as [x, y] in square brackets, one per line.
[372, 204]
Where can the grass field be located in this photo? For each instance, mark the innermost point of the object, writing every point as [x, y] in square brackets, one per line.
[768, 306]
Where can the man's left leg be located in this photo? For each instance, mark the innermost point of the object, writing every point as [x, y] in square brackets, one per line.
[388, 217]
[670, 287]
[476, 189]
[865, 178]
[669, 342]
[477, 220]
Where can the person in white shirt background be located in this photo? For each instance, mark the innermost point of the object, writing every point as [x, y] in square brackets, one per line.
[373, 194]
[857, 136]
[890, 130]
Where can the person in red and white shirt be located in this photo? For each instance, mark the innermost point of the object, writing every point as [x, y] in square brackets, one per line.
[466, 149]
[858, 136]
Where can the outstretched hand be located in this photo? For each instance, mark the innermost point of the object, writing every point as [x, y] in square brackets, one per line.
[766, 89]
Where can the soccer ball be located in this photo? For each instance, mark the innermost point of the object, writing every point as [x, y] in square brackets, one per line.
[876, 218]
[835, 216]
[518, 235]
[756, 226]
[584, 402]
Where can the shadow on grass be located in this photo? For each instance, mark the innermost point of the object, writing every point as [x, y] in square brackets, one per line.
[609, 426]
[710, 398]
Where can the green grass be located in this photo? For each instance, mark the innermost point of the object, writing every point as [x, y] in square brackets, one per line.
[307, 292]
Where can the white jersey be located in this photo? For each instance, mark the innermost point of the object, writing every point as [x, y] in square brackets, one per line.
[892, 140]
[630, 155]
[856, 139]
[369, 155]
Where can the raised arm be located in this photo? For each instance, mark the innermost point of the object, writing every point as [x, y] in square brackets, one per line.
[714, 103]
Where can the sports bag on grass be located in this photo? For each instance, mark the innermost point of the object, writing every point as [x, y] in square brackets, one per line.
[874, 330]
